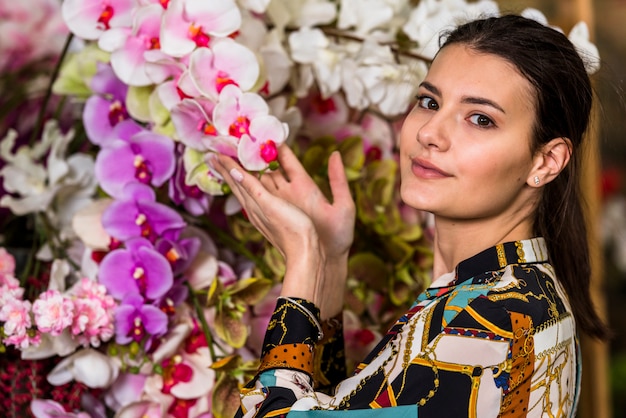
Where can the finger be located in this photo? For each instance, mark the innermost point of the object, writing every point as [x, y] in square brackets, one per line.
[339, 186]
[289, 162]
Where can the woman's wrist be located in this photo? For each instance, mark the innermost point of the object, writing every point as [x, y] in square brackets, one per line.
[333, 286]
[304, 272]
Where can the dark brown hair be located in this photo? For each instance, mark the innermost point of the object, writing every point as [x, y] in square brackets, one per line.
[549, 61]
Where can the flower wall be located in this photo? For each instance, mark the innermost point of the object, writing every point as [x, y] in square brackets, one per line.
[131, 282]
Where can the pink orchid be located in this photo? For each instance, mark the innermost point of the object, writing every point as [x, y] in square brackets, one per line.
[194, 126]
[188, 24]
[129, 48]
[224, 62]
[235, 109]
[188, 375]
[89, 19]
[141, 409]
[45, 408]
[260, 148]
[125, 390]
[53, 312]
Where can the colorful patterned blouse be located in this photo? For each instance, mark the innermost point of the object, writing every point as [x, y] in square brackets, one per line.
[496, 337]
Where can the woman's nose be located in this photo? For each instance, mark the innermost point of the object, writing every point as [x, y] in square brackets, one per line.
[434, 132]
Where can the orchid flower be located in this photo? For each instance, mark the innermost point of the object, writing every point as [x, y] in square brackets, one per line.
[90, 19]
[224, 62]
[145, 157]
[259, 149]
[88, 366]
[137, 269]
[235, 109]
[45, 408]
[191, 197]
[188, 24]
[194, 125]
[129, 47]
[36, 186]
[139, 322]
[137, 214]
[303, 13]
[364, 15]
[105, 109]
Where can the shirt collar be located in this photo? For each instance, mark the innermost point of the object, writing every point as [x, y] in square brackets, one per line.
[532, 250]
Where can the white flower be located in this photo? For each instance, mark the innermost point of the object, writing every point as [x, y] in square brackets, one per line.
[87, 366]
[431, 17]
[364, 15]
[301, 13]
[59, 189]
[579, 36]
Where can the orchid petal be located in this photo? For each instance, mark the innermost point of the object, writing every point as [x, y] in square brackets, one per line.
[87, 366]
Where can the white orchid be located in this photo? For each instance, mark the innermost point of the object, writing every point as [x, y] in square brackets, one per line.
[88, 366]
[59, 188]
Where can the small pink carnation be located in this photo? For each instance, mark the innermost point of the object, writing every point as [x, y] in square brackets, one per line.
[93, 316]
[53, 312]
[17, 320]
[92, 322]
[9, 292]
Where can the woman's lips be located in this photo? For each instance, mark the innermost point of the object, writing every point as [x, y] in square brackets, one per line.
[423, 169]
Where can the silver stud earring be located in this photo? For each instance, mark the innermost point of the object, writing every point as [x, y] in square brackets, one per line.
[536, 180]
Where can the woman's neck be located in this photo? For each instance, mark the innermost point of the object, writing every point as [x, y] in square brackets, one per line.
[457, 240]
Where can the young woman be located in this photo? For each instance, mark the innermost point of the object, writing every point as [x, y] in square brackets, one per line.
[492, 150]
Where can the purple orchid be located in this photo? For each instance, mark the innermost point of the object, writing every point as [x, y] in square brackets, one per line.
[194, 200]
[135, 321]
[107, 107]
[180, 254]
[146, 157]
[137, 214]
[138, 269]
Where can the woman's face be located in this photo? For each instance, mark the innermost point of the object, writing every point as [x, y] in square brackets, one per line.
[465, 147]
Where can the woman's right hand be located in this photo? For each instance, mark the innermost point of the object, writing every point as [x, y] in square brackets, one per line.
[334, 221]
[284, 225]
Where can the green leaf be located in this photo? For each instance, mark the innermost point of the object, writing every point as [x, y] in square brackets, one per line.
[250, 290]
[369, 269]
[137, 102]
[399, 250]
[77, 71]
[352, 153]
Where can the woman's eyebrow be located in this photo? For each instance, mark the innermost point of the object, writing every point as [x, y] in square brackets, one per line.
[482, 101]
[466, 99]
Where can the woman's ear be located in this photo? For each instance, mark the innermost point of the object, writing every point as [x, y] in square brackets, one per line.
[549, 161]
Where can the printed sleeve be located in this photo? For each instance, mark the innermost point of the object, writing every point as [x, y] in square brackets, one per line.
[286, 372]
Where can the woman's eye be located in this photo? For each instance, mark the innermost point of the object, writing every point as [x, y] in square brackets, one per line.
[426, 102]
[481, 120]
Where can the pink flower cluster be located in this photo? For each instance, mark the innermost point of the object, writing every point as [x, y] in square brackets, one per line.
[85, 311]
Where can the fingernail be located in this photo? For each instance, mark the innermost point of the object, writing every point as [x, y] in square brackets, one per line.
[236, 174]
[211, 159]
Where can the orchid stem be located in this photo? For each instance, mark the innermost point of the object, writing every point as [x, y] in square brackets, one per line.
[55, 73]
[205, 326]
